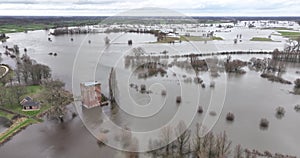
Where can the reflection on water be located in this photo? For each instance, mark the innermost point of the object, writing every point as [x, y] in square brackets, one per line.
[248, 96]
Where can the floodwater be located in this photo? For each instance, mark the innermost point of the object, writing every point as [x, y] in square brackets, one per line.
[248, 96]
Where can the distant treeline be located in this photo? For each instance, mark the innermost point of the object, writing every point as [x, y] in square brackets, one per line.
[58, 21]
[61, 21]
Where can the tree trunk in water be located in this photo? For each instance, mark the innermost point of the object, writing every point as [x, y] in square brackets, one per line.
[111, 87]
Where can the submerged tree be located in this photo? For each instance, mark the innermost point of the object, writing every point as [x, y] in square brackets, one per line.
[238, 152]
[184, 134]
[297, 83]
[112, 85]
[166, 137]
[107, 40]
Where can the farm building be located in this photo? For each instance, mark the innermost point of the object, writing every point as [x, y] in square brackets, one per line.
[91, 94]
[29, 105]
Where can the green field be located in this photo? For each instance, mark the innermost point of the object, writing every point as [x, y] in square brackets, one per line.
[199, 38]
[33, 89]
[289, 34]
[263, 39]
[217, 38]
[187, 38]
[6, 115]
[10, 28]
[277, 28]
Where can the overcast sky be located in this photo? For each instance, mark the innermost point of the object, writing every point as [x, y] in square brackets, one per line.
[186, 7]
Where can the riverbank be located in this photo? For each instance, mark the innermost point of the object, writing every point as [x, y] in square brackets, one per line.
[14, 129]
[21, 119]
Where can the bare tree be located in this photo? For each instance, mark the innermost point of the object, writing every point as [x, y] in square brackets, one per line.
[238, 152]
[184, 134]
[166, 136]
[223, 145]
[31, 72]
[198, 142]
[107, 40]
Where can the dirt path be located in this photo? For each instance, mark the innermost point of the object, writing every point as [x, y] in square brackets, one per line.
[6, 70]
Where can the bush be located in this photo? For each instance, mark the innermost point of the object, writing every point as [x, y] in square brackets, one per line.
[297, 108]
[198, 80]
[230, 116]
[264, 123]
[143, 88]
[280, 111]
[163, 92]
[297, 83]
[178, 99]
[212, 84]
[200, 110]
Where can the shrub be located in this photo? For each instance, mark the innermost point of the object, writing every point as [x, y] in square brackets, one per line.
[230, 116]
[200, 110]
[178, 99]
[280, 111]
[212, 84]
[264, 123]
[297, 107]
[143, 88]
[297, 83]
[198, 80]
[163, 92]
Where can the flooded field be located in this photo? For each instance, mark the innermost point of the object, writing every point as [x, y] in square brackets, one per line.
[248, 96]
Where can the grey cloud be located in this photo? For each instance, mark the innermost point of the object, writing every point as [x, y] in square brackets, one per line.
[18, 2]
[95, 2]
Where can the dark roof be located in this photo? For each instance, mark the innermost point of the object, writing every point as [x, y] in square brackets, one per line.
[31, 103]
[28, 98]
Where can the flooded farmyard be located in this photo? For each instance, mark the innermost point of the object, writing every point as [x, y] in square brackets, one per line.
[220, 75]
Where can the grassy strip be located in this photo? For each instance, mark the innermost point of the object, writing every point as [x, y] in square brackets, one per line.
[217, 38]
[277, 28]
[11, 28]
[192, 38]
[289, 34]
[199, 38]
[6, 115]
[23, 26]
[187, 39]
[261, 39]
[14, 129]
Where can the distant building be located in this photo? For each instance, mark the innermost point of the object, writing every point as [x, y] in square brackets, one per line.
[29, 105]
[91, 94]
[173, 35]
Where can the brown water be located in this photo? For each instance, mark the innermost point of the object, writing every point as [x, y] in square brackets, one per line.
[248, 96]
